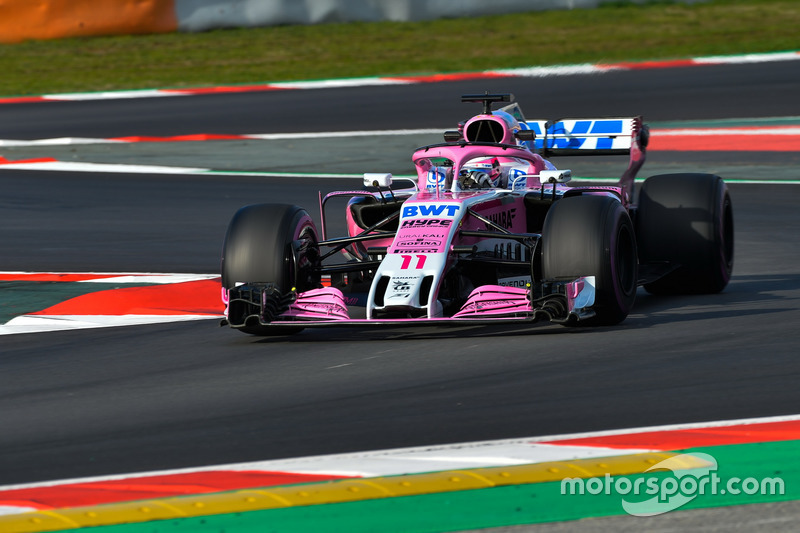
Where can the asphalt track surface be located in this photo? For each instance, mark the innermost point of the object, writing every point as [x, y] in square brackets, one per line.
[118, 400]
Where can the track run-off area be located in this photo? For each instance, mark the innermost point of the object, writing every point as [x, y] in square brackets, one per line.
[114, 210]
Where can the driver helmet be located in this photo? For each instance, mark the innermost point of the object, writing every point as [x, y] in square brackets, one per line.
[484, 174]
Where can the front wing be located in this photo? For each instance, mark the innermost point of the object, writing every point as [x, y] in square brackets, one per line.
[555, 301]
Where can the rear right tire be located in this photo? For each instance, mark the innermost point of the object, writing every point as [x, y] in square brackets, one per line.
[686, 220]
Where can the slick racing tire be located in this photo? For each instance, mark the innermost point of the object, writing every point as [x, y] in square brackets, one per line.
[686, 220]
[593, 235]
[271, 243]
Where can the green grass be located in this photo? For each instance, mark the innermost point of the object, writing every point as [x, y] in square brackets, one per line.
[617, 32]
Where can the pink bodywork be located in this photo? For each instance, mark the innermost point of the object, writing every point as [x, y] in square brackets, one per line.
[494, 300]
[490, 301]
[319, 304]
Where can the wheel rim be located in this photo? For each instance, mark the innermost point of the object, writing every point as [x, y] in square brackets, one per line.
[302, 260]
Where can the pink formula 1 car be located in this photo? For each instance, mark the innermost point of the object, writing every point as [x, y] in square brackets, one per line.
[489, 232]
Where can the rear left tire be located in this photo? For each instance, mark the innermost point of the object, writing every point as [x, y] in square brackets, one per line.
[686, 220]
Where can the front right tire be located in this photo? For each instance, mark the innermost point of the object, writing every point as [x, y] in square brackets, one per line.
[271, 243]
[592, 235]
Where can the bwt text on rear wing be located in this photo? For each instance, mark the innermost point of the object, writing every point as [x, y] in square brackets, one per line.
[587, 136]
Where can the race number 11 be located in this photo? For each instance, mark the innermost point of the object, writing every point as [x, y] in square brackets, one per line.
[407, 261]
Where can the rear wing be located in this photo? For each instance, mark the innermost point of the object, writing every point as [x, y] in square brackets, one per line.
[594, 136]
[586, 136]
[589, 136]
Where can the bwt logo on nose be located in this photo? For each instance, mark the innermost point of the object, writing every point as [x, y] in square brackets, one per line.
[432, 210]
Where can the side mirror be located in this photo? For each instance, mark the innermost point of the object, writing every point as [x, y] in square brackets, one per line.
[525, 135]
[452, 136]
[377, 179]
[555, 176]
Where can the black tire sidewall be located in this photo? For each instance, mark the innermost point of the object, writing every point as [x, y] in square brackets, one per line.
[592, 235]
[257, 244]
[258, 249]
[686, 220]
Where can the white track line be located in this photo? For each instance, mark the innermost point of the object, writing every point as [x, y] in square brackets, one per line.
[419, 459]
